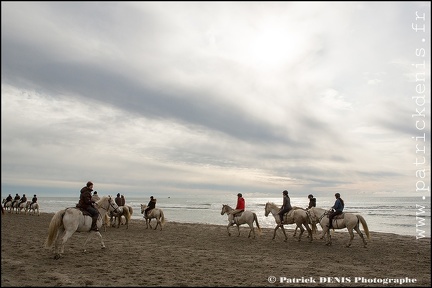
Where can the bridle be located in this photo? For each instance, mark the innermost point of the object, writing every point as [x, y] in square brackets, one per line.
[110, 203]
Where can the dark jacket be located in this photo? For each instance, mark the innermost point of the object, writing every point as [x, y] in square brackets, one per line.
[339, 205]
[118, 201]
[151, 204]
[312, 202]
[34, 199]
[85, 198]
[123, 201]
[23, 199]
[9, 198]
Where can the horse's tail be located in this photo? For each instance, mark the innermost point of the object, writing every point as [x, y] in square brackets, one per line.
[55, 224]
[162, 217]
[256, 221]
[127, 213]
[365, 226]
[130, 210]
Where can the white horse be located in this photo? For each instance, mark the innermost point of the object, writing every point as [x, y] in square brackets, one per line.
[246, 217]
[8, 205]
[125, 211]
[154, 213]
[15, 206]
[22, 206]
[345, 220]
[33, 207]
[296, 216]
[70, 220]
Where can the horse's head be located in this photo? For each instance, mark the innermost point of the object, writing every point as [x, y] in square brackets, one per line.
[270, 207]
[224, 209]
[108, 203]
[267, 209]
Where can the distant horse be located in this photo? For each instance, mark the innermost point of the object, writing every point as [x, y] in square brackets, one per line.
[7, 205]
[154, 213]
[33, 207]
[15, 206]
[125, 211]
[246, 217]
[345, 220]
[67, 221]
[295, 216]
[22, 206]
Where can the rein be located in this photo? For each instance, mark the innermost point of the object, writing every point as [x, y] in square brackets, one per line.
[109, 204]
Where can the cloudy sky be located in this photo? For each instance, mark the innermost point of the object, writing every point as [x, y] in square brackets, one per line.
[188, 98]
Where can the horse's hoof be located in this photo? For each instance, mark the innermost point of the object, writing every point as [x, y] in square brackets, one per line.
[57, 256]
[103, 247]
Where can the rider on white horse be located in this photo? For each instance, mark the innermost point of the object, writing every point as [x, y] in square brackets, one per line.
[240, 207]
[9, 198]
[86, 203]
[286, 206]
[151, 205]
[22, 200]
[338, 208]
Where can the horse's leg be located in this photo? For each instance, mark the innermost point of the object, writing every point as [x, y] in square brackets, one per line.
[357, 228]
[57, 245]
[251, 230]
[350, 230]
[238, 229]
[283, 230]
[229, 224]
[274, 233]
[157, 223]
[301, 231]
[90, 235]
[309, 232]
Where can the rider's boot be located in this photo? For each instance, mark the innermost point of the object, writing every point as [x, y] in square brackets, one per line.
[94, 224]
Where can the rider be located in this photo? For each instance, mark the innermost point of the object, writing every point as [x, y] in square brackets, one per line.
[286, 206]
[95, 197]
[9, 198]
[151, 205]
[240, 207]
[312, 201]
[338, 208]
[118, 200]
[17, 198]
[22, 200]
[123, 200]
[86, 203]
[34, 200]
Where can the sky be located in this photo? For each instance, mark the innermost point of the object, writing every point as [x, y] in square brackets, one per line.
[215, 98]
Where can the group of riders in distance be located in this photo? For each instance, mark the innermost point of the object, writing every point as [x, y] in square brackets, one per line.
[304, 218]
[19, 203]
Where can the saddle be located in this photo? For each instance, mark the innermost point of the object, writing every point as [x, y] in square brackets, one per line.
[84, 211]
[239, 214]
[340, 216]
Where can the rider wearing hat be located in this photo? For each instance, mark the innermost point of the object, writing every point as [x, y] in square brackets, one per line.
[312, 201]
[286, 206]
[240, 207]
[337, 207]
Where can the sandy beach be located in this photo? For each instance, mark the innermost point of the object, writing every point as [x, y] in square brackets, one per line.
[204, 255]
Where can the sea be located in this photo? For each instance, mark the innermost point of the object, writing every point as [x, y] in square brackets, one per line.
[399, 215]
